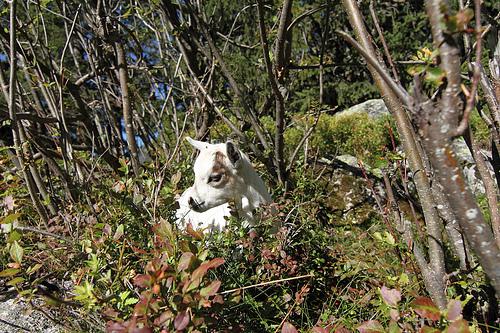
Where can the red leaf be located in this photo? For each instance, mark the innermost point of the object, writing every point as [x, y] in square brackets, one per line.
[141, 330]
[391, 296]
[211, 289]
[454, 310]
[185, 261]
[196, 234]
[216, 262]
[200, 272]
[107, 230]
[181, 321]
[167, 315]
[112, 327]
[394, 314]
[342, 329]
[205, 303]
[218, 299]
[371, 326]
[426, 308]
[318, 329]
[427, 329]
[394, 327]
[143, 280]
[458, 326]
[288, 328]
[141, 308]
[197, 275]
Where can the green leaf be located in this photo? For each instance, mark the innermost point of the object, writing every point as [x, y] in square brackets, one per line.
[9, 272]
[394, 327]
[164, 229]
[435, 75]
[124, 295]
[10, 218]
[404, 279]
[15, 281]
[118, 233]
[389, 238]
[45, 3]
[174, 180]
[416, 70]
[16, 252]
[33, 269]
[131, 300]
[14, 235]
[211, 289]
[84, 291]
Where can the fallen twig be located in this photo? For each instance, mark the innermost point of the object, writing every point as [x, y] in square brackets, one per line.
[266, 283]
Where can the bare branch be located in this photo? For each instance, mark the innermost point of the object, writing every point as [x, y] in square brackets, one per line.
[304, 15]
[13, 116]
[384, 44]
[400, 92]
[476, 76]
[127, 111]
[280, 103]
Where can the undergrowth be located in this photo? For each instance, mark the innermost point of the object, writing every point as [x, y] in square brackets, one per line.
[126, 261]
[120, 256]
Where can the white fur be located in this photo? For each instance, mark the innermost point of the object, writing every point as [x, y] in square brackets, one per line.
[212, 219]
[240, 185]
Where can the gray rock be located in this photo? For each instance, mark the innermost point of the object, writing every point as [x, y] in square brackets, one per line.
[375, 108]
[469, 166]
[19, 317]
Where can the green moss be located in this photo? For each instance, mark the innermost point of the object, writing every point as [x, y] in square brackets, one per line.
[356, 134]
[480, 129]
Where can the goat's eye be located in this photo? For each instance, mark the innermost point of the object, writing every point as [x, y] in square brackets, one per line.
[215, 178]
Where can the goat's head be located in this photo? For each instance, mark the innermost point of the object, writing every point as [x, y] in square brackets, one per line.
[215, 171]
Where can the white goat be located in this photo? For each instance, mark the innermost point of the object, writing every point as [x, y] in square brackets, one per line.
[212, 219]
[223, 174]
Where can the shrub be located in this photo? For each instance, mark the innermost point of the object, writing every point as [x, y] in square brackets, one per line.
[354, 134]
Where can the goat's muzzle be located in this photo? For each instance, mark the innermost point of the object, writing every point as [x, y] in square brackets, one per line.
[196, 206]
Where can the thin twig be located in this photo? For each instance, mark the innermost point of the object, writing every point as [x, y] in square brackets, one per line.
[471, 99]
[396, 88]
[302, 290]
[384, 44]
[266, 283]
[304, 15]
[45, 233]
[304, 138]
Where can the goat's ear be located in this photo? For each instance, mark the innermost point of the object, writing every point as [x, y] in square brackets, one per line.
[200, 145]
[233, 153]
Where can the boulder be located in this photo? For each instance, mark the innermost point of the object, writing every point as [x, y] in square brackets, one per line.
[375, 108]
[18, 317]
